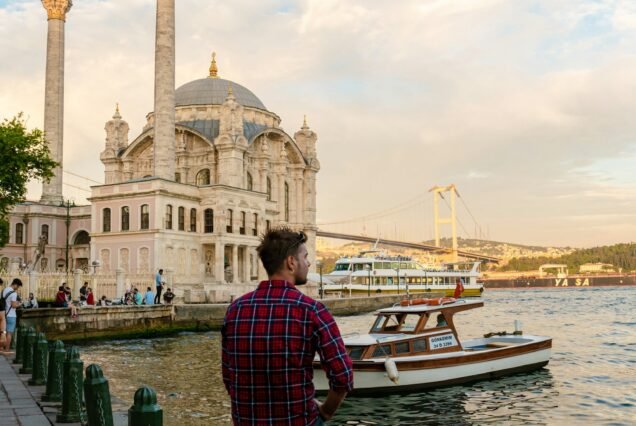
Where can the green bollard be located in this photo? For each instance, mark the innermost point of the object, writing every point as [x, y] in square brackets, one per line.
[72, 405]
[97, 395]
[19, 336]
[145, 411]
[55, 376]
[40, 361]
[27, 351]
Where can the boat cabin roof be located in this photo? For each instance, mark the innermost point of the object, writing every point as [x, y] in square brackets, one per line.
[459, 305]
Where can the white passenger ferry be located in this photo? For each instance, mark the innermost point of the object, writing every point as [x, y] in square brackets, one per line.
[374, 273]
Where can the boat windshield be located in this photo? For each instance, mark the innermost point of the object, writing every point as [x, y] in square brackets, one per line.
[390, 323]
[342, 267]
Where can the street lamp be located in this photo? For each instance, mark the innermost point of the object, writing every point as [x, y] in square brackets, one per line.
[319, 263]
[367, 268]
[67, 204]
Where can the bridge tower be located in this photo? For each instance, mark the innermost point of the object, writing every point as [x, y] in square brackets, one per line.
[438, 192]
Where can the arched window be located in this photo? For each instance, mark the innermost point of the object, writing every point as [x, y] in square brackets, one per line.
[145, 217]
[286, 202]
[243, 219]
[181, 218]
[106, 220]
[169, 216]
[269, 189]
[228, 221]
[45, 232]
[255, 228]
[208, 220]
[203, 177]
[193, 220]
[19, 233]
[249, 182]
[82, 238]
[125, 218]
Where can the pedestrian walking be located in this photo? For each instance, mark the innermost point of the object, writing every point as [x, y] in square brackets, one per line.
[9, 302]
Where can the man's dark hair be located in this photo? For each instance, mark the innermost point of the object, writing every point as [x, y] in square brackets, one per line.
[161, 271]
[276, 245]
[17, 282]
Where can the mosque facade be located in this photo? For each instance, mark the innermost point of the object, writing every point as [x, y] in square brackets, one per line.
[210, 172]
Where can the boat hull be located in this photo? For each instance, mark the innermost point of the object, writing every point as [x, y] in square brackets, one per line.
[446, 292]
[572, 281]
[434, 372]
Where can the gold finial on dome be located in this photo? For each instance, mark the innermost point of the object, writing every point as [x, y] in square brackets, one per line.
[213, 68]
[305, 126]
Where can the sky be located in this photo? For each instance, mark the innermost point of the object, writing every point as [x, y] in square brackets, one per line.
[526, 106]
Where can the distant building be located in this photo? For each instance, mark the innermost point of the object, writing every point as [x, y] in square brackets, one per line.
[596, 267]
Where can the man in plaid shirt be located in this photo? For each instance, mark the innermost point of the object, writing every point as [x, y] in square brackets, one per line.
[270, 337]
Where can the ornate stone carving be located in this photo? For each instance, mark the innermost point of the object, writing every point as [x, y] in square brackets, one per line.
[124, 259]
[144, 264]
[57, 9]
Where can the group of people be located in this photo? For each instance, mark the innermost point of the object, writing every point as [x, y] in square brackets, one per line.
[134, 297]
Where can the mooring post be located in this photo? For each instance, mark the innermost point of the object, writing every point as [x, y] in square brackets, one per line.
[145, 410]
[19, 337]
[97, 395]
[72, 396]
[27, 351]
[55, 376]
[40, 361]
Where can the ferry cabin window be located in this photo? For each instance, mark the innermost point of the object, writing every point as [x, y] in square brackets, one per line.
[419, 345]
[377, 265]
[410, 323]
[402, 348]
[342, 267]
[356, 352]
[383, 350]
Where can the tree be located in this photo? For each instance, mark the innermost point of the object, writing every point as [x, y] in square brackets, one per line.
[24, 155]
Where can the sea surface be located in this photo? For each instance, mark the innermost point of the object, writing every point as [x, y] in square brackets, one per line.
[591, 378]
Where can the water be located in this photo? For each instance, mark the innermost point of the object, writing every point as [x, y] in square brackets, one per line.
[591, 378]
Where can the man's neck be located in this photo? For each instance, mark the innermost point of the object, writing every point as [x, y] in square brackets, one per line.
[283, 276]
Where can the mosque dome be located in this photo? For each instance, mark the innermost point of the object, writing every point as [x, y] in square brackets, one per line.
[213, 91]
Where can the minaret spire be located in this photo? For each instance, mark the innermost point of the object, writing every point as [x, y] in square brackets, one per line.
[164, 126]
[54, 96]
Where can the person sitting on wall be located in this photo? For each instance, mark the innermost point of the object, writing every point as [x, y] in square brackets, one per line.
[103, 301]
[90, 297]
[168, 296]
[31, 302]
[441, 321]
[149, 297]
[69, 301]
[60, 298]
[83, 292]
[137, 297]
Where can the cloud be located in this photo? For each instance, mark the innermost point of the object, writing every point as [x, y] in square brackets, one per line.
[526, 107]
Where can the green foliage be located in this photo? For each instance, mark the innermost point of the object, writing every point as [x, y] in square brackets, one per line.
[4, 232]
[24, 155]
[620, 255]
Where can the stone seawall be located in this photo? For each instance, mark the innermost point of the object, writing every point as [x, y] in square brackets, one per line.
[134, 321]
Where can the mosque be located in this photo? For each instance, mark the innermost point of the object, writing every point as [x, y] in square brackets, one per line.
[211, 170]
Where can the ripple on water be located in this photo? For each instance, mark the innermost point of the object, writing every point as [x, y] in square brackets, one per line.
[585, 383]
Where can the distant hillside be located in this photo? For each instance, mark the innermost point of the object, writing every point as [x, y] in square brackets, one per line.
[503, 250]
[619, 255]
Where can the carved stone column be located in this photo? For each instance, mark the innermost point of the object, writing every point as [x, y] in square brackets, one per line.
[54, 95]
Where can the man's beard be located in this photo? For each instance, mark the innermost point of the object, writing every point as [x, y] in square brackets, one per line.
[301, 280]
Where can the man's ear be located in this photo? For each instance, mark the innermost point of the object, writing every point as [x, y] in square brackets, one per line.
[290, 262]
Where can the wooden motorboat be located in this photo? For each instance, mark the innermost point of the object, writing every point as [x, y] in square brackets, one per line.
[414, 345]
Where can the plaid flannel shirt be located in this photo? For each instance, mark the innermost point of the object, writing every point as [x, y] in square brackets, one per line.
[270, 337]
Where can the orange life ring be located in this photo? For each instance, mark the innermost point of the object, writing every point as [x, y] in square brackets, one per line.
[430, 302]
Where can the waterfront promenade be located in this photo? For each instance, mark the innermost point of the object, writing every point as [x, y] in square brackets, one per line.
[21, 404]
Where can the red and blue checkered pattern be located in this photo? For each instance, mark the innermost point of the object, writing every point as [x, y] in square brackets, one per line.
[270, 337]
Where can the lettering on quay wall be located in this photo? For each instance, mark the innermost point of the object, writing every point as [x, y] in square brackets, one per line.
[443, 341]
[563, 282]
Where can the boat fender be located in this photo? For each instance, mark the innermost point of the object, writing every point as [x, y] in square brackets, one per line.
[391, 370]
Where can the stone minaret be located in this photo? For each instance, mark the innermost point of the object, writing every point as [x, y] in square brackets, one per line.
[54, 95]
[164, 132]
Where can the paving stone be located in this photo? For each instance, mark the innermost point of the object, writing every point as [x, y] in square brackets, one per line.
[38, 420]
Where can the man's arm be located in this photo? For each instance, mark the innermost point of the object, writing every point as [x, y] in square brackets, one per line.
[328, 408]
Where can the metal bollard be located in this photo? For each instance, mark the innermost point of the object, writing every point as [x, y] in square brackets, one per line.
[27, 351]
[72, 396]
[40, 361]
[97, 395]
[19, 337]
[55, 376]
[145, 411]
